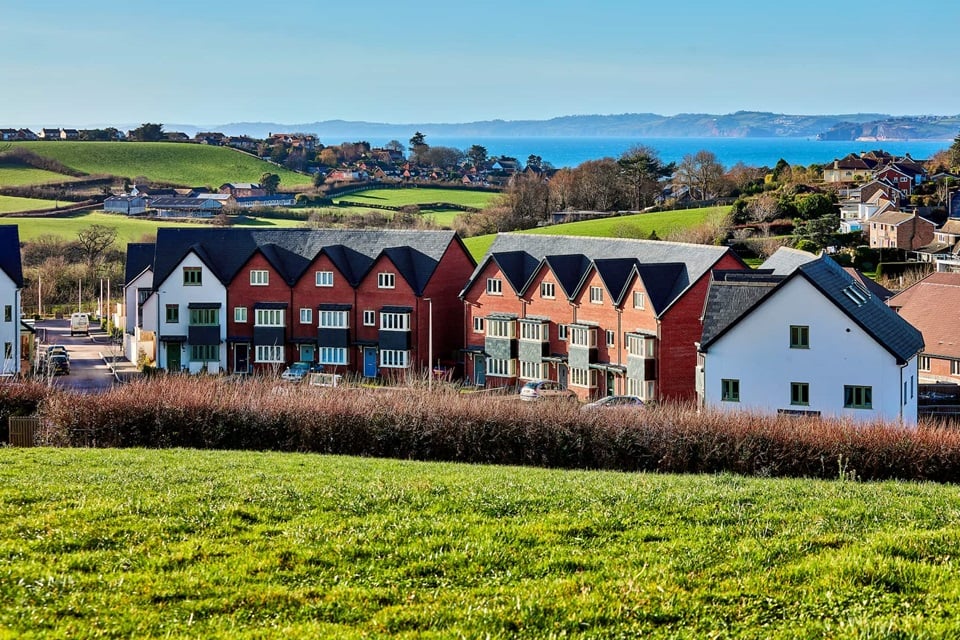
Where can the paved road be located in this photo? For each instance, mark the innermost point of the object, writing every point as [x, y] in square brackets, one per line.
[88, 372]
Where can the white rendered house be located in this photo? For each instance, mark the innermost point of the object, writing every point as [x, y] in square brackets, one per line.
[11, 284]
[814, 341]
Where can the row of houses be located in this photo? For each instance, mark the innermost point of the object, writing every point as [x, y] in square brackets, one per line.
[901, 172]
[664, 321]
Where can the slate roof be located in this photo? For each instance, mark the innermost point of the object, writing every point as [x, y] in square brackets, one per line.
[871, 285]
[527, 250]
[291, 251]
[895, 218]
[139, 258]
[932, 305]
[10, 253]
[879, 321]
[730, 296]
[784, 260]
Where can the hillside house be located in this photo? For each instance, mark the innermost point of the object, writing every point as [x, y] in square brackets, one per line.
[361, 301]
[242, 189]
[11, 286]
[932, 305]
[602, 316]
[900, 230]
[808, 342]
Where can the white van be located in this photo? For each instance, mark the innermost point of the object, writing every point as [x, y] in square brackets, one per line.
[80, 324]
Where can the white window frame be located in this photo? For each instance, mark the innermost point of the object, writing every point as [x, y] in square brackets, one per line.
[583, 337]
[596, 295]
[494, 287]
[611, 338]
[923, 363]
[394, 359]
[269, 353]
[324, 278]
[548, 290]
[562, 331]
[534, 332]
[394, 321]
[306, 315]
[955, 367]
[501, 368]
[369, 318]
[639, 300]
[386, 280]
[332, 355]
[641, 346]
[531, 370]
[240, 315]
[478, 324]
[584, 378]
[269, 318]
[501, 328]
[330, 319]
[259, 278]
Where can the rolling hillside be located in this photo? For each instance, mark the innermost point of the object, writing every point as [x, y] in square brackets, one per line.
[182, 164]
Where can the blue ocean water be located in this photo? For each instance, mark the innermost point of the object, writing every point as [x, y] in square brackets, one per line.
[569, 151]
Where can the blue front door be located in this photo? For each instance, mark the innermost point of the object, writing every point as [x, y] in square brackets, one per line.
[369, 362]
[480, 371]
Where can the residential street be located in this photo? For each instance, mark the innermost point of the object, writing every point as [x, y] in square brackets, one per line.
[88, 372]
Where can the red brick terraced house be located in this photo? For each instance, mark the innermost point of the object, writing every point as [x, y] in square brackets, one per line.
[364, 301]
[932, 305]
[601, 316]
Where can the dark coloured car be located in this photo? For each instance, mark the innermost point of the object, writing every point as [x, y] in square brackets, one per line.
[58, 365]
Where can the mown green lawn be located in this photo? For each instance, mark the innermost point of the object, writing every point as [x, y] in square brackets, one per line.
[184, 164]
[177, 543]
[128, 229]
[18, 176]
[10, 204]
[403, 197]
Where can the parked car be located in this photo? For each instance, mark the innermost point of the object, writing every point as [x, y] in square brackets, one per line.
[299, 370]
[58, 364]
[57, 349]
[611, 402]
[544, 390]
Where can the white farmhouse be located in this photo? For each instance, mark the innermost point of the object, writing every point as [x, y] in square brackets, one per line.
[11, 284]
[191, 299]
[139, 303]
[802, 336]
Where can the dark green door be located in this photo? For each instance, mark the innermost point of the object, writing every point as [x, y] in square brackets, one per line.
[173, 357]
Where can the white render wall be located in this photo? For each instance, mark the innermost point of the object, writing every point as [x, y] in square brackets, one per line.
[9, 331]
[173, 291]
[757, 352]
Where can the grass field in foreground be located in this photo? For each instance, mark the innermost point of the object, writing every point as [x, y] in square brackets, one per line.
[10, 204]
[175, 543]
[403, 197]
[128, 229]
[185, 164]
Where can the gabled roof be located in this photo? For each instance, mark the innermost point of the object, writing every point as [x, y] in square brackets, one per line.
[661, 282]
[730, 296]
[871, 285]
[697, 259]
[291, 251]
[951, 226]
[570, 269]
[785, 260]
[516, 267]
[896, 218]
[932, 305]
[10, 253]
[880, 322]
[615, 274]
[139, 259]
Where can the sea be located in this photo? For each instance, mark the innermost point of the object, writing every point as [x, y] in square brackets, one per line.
[756, 152]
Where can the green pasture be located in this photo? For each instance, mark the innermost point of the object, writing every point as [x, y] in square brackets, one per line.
[183, 164]
[441, 217]
[128, 229]
[217, 544]
[418, 195]
[639, 225]
[11, 176]
[10, 204]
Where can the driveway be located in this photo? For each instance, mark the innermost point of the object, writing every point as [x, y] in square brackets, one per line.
[88, 372]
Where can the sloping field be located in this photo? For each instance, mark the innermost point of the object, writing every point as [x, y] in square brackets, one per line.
[128, 229]
[183, 164]
[403, 197]
[9, 204]
[182, 543]
[20, 176]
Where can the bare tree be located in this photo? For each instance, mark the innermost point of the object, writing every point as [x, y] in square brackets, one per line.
[702, 174]
[95, 240]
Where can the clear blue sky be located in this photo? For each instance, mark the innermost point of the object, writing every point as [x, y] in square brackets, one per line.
[70, 63]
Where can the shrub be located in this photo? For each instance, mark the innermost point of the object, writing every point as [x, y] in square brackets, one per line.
[18, 399]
